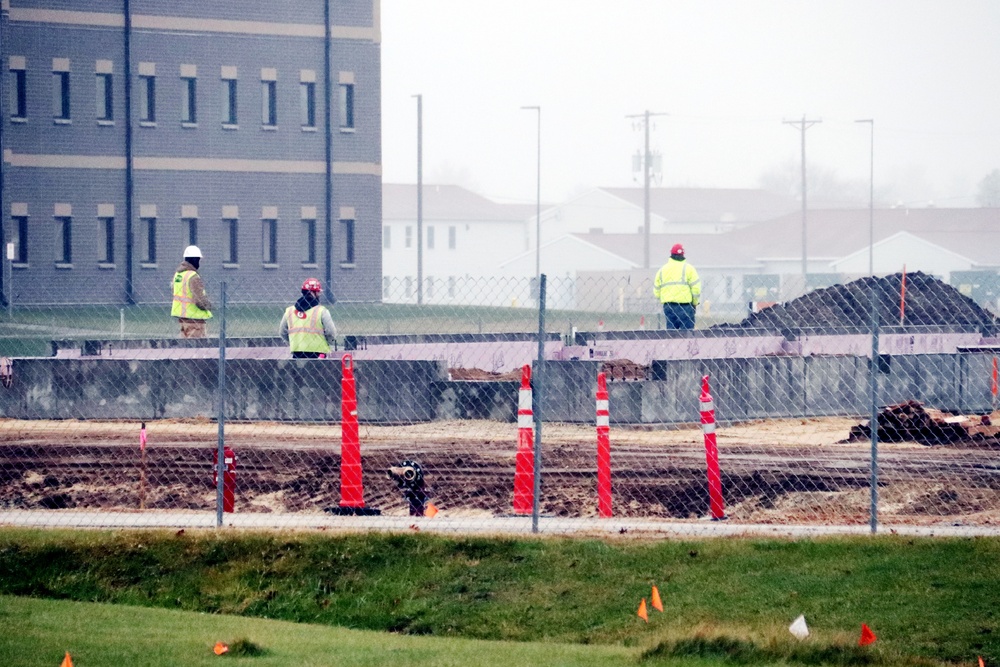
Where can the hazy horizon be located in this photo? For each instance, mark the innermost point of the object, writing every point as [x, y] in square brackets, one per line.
[729, 74]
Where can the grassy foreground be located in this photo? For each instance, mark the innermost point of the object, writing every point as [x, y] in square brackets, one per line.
[38, 633]
[930, 601]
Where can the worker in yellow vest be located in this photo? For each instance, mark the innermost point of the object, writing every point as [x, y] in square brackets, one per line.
[191, 306]
[678, 288]
[307, 326]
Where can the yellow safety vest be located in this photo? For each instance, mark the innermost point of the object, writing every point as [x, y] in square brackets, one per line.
[677, 282]
[306, 334]
[184, 305]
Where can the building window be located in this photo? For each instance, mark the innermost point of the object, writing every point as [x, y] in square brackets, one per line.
[229, 101]
[386, 283]
[347, 256]
[147, 228]
[452, 238]
[430, 238]
[386, 237]
[106, 240]
[347, 106]
[190, 226]
[430, 286]
[269, 240]
[307, 93]
[408, 240]
[230, 241]
[147, 98]
[189, 107]
[451, 286]
[19, 237]
[18, 88]
[269, 103]
[308, 241]
[60, 95]
[408, 289]
[105, 97]
[64, 240]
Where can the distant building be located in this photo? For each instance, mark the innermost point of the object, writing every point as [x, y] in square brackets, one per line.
[465, 237]
[762, 262]
[133, 129]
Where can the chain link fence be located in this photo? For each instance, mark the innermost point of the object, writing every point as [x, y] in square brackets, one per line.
[474, 405]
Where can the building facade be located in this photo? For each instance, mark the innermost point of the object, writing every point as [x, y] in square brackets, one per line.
[133, 128]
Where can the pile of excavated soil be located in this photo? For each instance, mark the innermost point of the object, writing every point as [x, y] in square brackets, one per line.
[926, 301]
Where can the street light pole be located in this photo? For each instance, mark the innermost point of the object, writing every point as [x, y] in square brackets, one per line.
[803, 125]
[538, 196]
[420, 199]
[871, 195]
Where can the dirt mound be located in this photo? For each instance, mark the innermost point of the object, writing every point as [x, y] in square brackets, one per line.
[615, 369]
[477, 374]
[927, 302]
[912, 422]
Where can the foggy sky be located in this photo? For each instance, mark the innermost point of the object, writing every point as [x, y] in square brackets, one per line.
[727, 72]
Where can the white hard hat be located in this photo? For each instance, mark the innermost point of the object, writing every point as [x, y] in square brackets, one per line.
[192, 251]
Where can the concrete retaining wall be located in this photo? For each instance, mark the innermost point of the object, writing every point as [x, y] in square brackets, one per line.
[392, 391]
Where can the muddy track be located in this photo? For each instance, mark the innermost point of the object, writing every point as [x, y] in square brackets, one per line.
[655, 475]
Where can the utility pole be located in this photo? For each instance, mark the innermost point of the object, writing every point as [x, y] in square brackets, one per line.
[646, 164]
[538, 195]
[871, 195]
[420, 199]
[803, 125]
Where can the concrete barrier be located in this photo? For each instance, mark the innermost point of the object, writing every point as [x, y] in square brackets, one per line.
[400, 391]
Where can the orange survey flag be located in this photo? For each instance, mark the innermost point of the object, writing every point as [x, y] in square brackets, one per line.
[642, 611]
[657, 603]
[67, 661]
[867, 636]
[431, 511]
[220, 648]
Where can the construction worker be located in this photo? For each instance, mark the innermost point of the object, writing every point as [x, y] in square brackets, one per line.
[678, 288]
[307, 326]
[191, 306]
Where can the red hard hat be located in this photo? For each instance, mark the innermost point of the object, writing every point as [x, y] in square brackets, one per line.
[677, 249]
[312, 285]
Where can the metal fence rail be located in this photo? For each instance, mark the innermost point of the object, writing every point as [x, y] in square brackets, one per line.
[108, 417]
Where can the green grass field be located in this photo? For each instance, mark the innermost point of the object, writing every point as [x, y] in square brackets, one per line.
[423, 598]
[38, 633]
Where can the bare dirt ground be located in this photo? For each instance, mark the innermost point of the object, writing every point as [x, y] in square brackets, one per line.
[792, 471]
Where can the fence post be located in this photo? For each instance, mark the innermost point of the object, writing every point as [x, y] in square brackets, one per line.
[873, 399]
[221, 410]
[537, 396]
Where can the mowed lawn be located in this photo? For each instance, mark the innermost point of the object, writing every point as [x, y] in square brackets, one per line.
[423, 599]
[38, 633]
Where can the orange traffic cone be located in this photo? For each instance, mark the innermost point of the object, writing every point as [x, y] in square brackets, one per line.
[656, 602]
[642, 611]
[67, 661]
[430, 510]
[221, 648]
[981, 663]
[867, 636]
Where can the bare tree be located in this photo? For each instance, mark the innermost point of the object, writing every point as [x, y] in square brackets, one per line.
[988, 194]
[825, 188]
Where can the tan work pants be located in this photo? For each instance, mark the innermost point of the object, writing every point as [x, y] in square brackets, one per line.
[192, 328]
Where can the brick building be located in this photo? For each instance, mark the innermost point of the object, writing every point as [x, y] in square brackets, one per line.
[132, 128]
